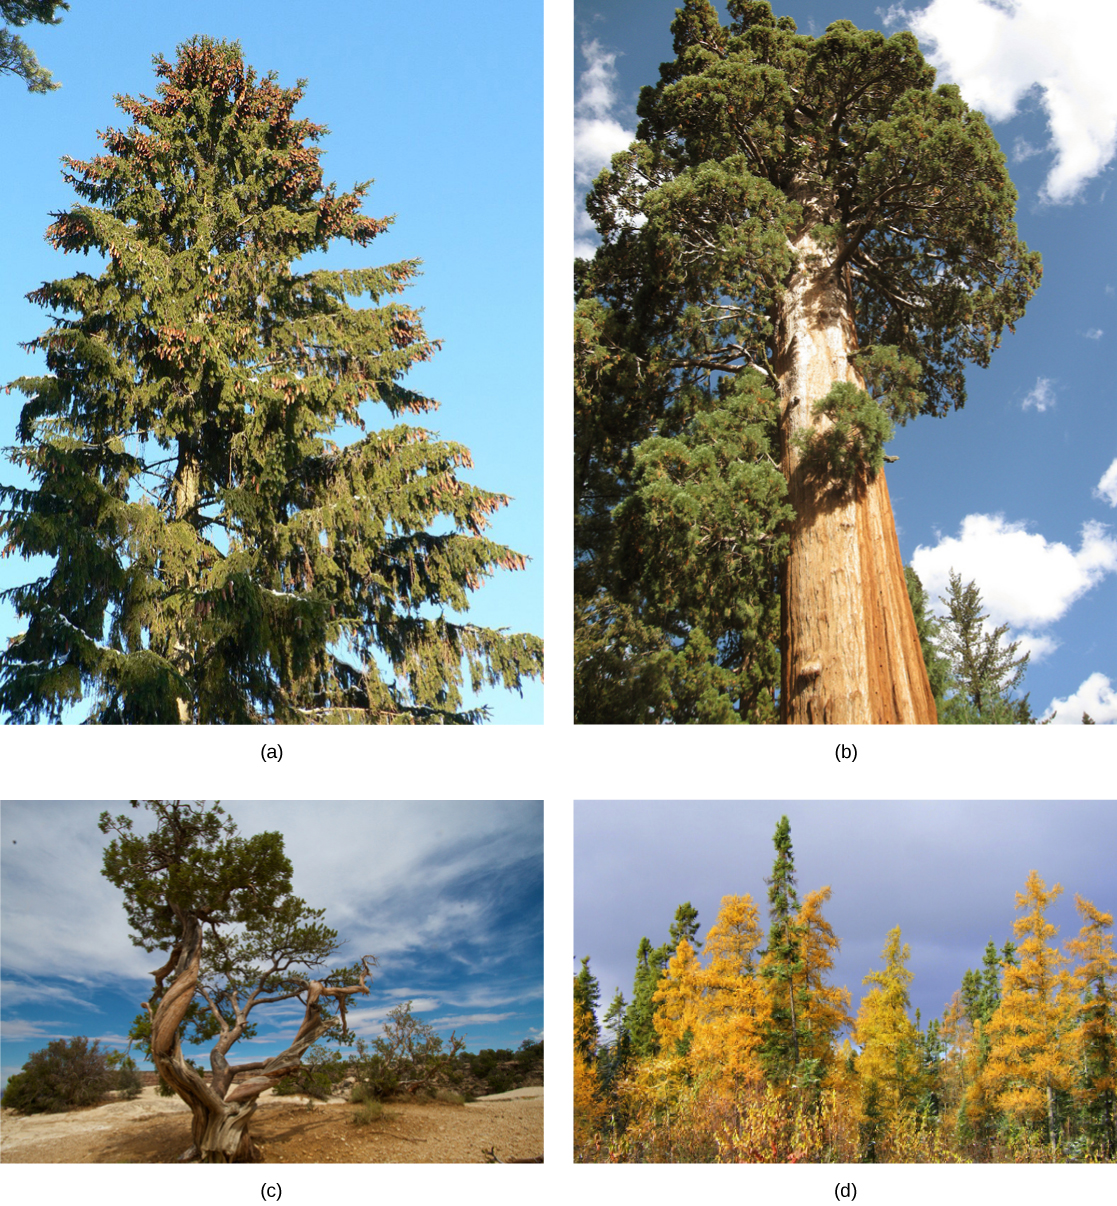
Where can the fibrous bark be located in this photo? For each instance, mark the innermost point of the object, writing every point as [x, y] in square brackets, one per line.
[850, 649]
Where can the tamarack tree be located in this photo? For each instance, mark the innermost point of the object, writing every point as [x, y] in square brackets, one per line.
[221, 906]
[231, 544]
[809, 241]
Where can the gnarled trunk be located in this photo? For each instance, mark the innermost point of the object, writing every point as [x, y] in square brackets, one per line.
[222, 1109]
[850, 649]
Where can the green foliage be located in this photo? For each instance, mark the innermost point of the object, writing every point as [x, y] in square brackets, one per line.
[229, 542]
[678, 607]
[850, 448]
[129, 1084]
[66, 1075]
[783, 967]
[406, 1055]
[984, 667]
[651, 965]
[15, 55]
[928, 628]
[370, 1111]
[753, 133]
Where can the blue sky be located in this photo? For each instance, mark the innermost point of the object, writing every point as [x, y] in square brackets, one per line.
[1017, 491]
[447, 895]
[945, 872]
[444, 112]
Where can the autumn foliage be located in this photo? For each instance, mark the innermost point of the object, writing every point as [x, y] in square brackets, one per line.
[757, 1059]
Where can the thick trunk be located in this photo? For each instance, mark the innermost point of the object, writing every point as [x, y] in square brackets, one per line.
[222, 1109]
[850, 649]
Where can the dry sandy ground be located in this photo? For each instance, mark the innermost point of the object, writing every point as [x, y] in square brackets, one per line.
[153, 1130]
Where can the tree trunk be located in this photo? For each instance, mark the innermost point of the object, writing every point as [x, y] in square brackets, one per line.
[849, 645]
[222, 1109]
[187, 483]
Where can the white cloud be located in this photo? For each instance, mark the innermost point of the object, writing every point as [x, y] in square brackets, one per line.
[598, 133]
[1094, 333]
[999, 51]
[1106, 489]
[1024, 579]
[1042, 397]
[1022, 150]
[1096, 696]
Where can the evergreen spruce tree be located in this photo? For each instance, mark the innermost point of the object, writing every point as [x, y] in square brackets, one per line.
[984, 667]
[685, 926]
[651, 964]
[806, 228]
[587, 995]
[614, 1057]
[783, 967]
[229, 542]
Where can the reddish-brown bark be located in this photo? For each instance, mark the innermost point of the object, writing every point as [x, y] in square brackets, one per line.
[850, 649]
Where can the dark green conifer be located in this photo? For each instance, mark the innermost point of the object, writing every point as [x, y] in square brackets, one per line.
[16, 56]
[768, 167]
[984, 667]
[229, 542]
[782, 966]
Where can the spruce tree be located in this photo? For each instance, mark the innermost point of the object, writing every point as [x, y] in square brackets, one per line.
[230, 542]
[651, 964]
[783, 966]
[686, 926]
[984, 665]
[587, 996]
[810, 222]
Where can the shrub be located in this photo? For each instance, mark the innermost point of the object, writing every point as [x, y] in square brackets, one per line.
[371, 1111]
[407, 1055]
[67, 1074]
[128, 1081]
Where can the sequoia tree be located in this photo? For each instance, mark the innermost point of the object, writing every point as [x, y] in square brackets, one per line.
[221, 908]
[807, 232]
[229, 542]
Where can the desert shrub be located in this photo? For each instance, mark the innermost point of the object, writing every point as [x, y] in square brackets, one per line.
[65, 1075]
[406, 1055]
[128, 1080]
[371, 1111]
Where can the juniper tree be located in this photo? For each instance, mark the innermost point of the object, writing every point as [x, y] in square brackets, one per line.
[230, 542]
[815, 214]
[220, 908]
